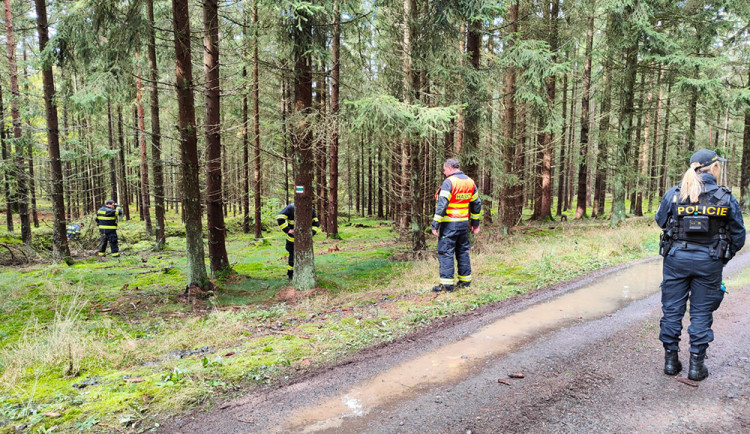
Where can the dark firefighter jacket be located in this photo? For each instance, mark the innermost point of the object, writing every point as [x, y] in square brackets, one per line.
[457, 203]
[106, 218]
[285, 219]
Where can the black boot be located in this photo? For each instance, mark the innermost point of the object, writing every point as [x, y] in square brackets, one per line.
[672, 365]
[698, 370]
[441, 288]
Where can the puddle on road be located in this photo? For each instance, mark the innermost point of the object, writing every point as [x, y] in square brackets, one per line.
[449, 362]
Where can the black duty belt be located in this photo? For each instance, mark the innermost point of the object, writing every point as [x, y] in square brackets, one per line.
[686, 244]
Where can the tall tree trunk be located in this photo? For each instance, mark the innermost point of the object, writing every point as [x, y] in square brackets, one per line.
[246, 158]
[196, 266]
[156, 162]
[6, 179]
[562, 168]
[473, 112]
[333, 192]
[545, 206]
[665, 141]
[304, 196]
[626, 123]
[59, 241]
[30, 148]
[123, 169]
[507, 198]
[411, 150]
[144, 186]
[585, 102]
[23, 206]
[256, 123]
[693, 111]
[745, 163]
[651, 186]
[217, 251]
[112, 161]
[633, 149]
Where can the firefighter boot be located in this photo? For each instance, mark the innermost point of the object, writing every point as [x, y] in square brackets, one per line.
[461, 284]
[698, 370]
[672, 365]
[441, 288]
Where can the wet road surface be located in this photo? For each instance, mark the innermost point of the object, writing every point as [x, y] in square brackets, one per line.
[588, 352]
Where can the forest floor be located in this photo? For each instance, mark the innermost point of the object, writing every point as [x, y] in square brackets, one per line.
[116, 345]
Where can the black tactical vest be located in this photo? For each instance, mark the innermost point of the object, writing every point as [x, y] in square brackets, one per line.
[703, 222]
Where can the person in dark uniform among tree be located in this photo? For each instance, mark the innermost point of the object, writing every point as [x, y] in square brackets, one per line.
[285, 219]
[106, 218]
[703, 229]
[73, 231]
[458, 204]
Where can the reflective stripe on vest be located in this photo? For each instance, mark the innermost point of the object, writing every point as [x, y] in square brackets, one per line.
[461, 195]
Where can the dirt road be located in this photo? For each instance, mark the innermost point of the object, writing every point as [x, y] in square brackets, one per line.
[579, 375]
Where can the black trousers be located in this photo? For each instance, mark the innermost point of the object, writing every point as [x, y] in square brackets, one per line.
[454, 244]
[108, 236]
[290, 262]
[690, 274]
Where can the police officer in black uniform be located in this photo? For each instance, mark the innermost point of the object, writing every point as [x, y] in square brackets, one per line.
[703, 229]
[285, 219]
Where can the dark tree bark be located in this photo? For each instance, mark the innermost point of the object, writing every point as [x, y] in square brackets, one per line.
[125, 194]
[651, 186]
[411, 150]
[304, 258]
[473, 112]
[380, 183]
[217, 251]
[333, 155]
[626, 121]
[256, 119]
[508, 215]
[665, 141]
[585, 102]
[112, 161]
[562, 171]
[21, 174]
[59, 240]
[196, 266]
[144, 186]
[6, 178]
[602, 161]
[545, 206]
[745, 163]
[29, 149]
[246, 159]
[645, 146]
[155, 130]
[693, 112]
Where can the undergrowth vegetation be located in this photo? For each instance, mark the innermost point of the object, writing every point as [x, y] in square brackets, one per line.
[116, 344]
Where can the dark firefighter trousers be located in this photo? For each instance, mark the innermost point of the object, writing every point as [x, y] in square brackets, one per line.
[690, 273]
[290, 262]
[454, 243]
[108, 235]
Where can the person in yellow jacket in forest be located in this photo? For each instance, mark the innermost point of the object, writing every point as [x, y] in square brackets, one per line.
[285, 220]
[458, 209]
[106, 218]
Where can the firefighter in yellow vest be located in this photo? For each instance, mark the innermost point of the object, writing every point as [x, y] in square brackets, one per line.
[285, 219]
[458, 209]
[106, 218]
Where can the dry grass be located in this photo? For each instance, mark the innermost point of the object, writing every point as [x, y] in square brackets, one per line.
[61, 346]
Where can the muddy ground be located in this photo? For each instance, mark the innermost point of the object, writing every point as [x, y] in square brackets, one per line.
[603, 375]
